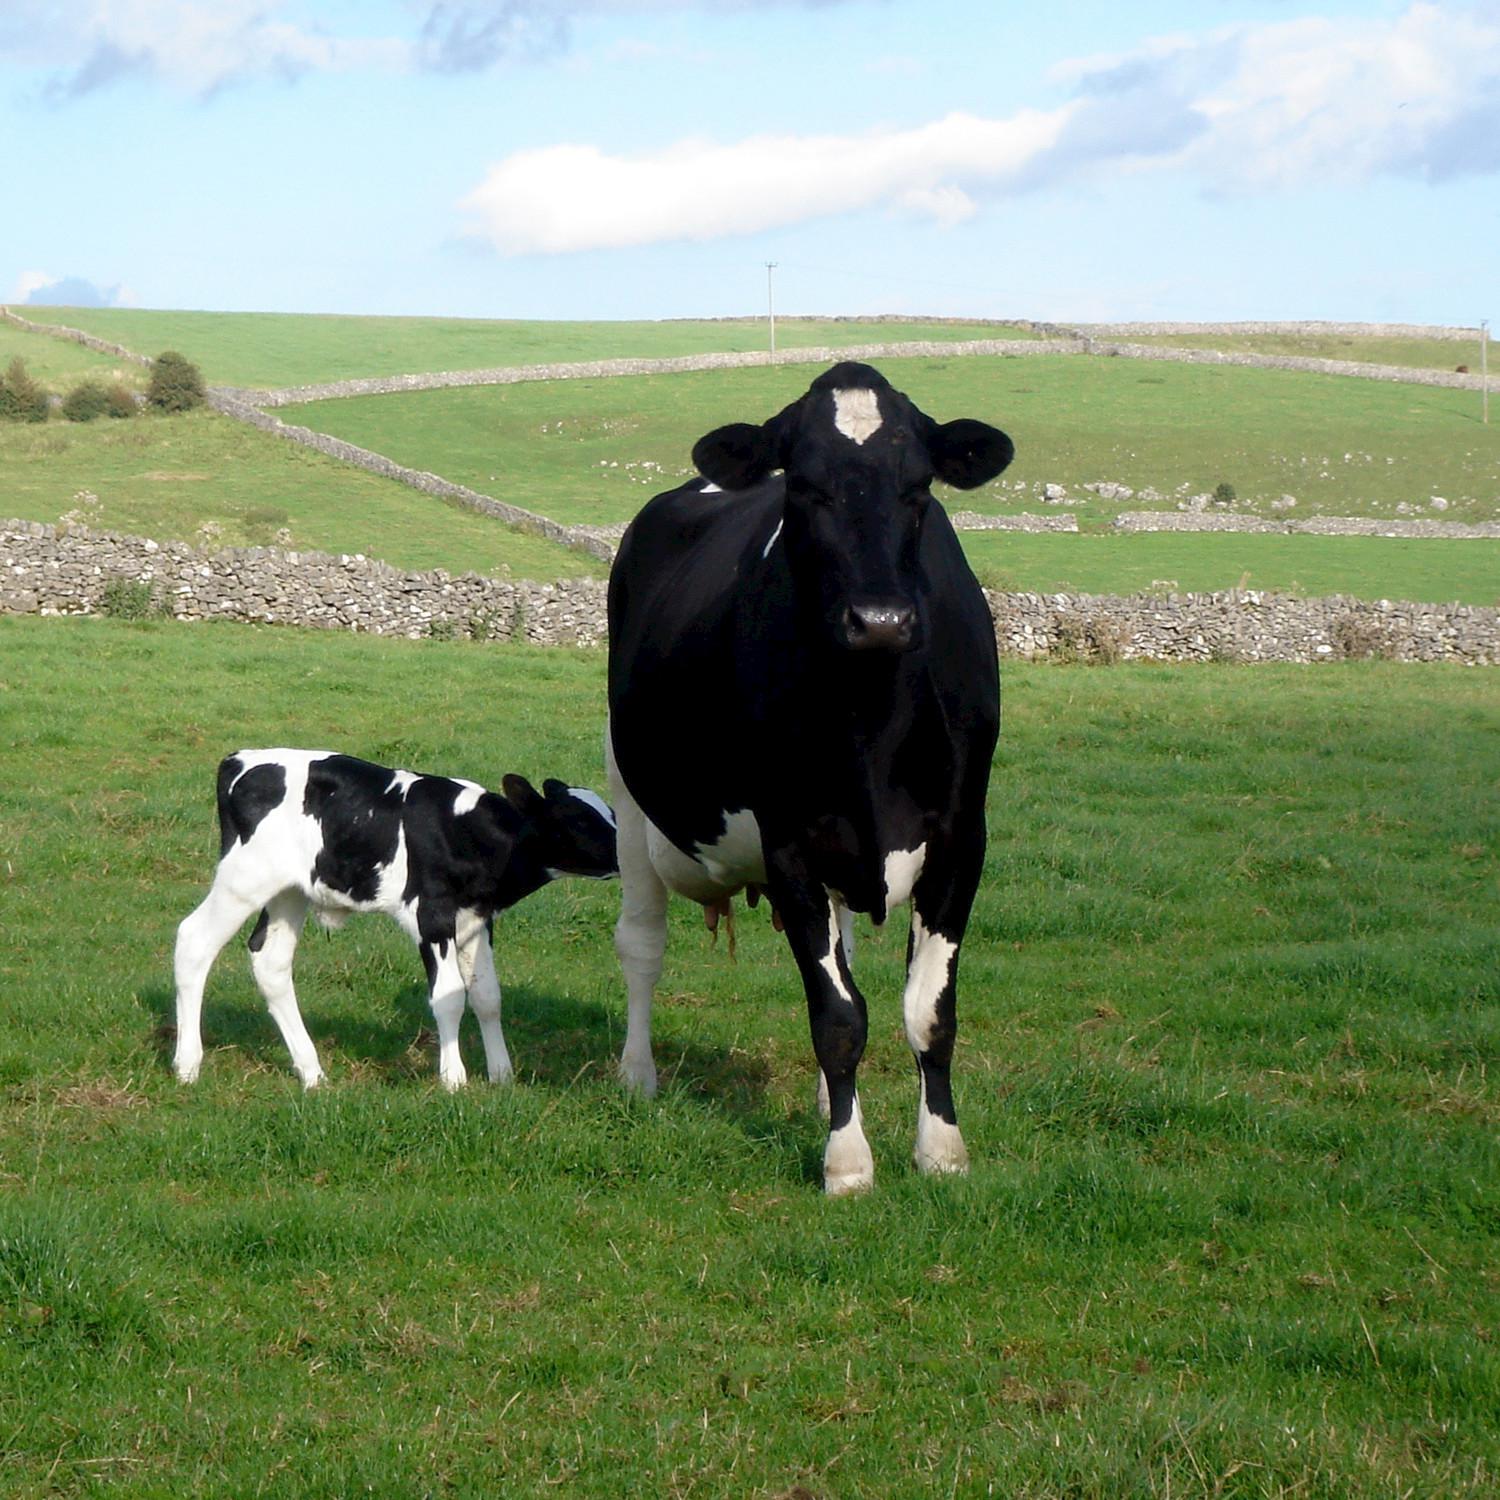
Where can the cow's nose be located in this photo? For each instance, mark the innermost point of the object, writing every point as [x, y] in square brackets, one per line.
[883, 625]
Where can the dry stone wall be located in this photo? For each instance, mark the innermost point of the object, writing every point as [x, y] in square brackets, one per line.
[1183, 520]
[74, 571]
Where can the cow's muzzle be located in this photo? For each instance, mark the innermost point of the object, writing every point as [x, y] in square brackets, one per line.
[879, 625]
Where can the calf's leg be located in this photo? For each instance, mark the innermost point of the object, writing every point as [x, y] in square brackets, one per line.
[200, 939]
[476, 961]
[273, 945]
[445, 989]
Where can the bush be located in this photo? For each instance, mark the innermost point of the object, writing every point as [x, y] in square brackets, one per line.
[120, 401]
[86, 401]
[1223, 493]
[127, 599]
[21, 398]
[176, 383]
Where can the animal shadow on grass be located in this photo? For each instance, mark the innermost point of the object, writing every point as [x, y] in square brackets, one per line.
[555, 1040]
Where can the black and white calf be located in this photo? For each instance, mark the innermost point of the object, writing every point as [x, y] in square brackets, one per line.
[804, 698]
[311, 828]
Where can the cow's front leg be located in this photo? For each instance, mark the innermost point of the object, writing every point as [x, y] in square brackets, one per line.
[476, 965]
[939, 914]
[836, 1015]
[445, 986]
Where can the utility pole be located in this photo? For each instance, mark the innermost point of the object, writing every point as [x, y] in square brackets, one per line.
[771, 307]
[1484, 366]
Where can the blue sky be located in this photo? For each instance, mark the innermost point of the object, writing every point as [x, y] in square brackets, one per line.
[1224, 159]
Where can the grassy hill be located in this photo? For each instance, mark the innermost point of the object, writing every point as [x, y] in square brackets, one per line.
[591, 451]
[1417, 353]
[205, 479]
[281, 349]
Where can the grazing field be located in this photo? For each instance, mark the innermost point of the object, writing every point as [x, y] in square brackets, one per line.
[1417, 353]
[1435, 571]
[278, 349]
[58, 364]
[205, 479]
[1230, 1003]
[1341, 446]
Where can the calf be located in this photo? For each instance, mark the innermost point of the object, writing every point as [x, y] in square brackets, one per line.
[311, 828]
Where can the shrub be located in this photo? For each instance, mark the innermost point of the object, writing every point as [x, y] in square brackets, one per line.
[21, 398]
[1223, 493]
[120, 401]
[126, 599]
[86, 401]
[176, 383]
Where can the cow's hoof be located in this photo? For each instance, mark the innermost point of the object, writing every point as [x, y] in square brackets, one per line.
[848, 1166]
[940, 1147]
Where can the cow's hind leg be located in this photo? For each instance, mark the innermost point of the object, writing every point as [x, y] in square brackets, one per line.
[939, 914]
[273, 945]
[640, 933]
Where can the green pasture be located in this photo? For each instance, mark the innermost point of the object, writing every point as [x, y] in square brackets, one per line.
[280, 349]
[1229, 1007]
[1434, 570]
[60, 364]
[205, 479]
[592, 450]
[1417, 353]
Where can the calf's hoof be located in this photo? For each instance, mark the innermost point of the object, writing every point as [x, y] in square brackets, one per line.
[639, 1077]
[848, 1166]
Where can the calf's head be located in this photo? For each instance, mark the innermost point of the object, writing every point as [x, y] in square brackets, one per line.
[859, 460]
[574, 830]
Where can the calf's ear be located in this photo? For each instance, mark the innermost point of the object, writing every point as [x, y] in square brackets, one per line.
[967, 453]
[736, 456]
[522, 795]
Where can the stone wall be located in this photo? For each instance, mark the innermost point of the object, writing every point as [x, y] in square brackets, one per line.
[73, 571]
[1206, 520]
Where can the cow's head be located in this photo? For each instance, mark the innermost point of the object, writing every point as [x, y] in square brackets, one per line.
[859, 460]
[573, 828]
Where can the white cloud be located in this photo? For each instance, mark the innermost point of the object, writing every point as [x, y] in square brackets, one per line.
[1242, 108]
[562, 198]
[28, 282]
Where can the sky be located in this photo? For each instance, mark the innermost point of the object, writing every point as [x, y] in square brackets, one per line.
[600, 159]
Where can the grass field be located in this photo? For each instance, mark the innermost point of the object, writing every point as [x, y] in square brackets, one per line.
[1341, 446]
[279, 349]
[1436, 571]
[169, 478]
[59, 364]
[1418, 353]
[1230, 1006]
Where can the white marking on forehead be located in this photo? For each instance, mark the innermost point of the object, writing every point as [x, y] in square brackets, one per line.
[856, 413]
[468, 798]
[774, 535]
[592, 799]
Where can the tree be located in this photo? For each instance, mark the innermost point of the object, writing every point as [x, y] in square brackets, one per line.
[176, 383]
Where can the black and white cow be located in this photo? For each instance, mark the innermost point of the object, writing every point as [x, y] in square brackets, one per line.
[804, 699]
[311, 828]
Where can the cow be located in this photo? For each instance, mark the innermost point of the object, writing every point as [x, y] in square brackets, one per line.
[803, 702]
[313, 828]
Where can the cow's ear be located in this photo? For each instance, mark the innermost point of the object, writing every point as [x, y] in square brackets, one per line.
[522, 795]
[736, 456]
[967, 453]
